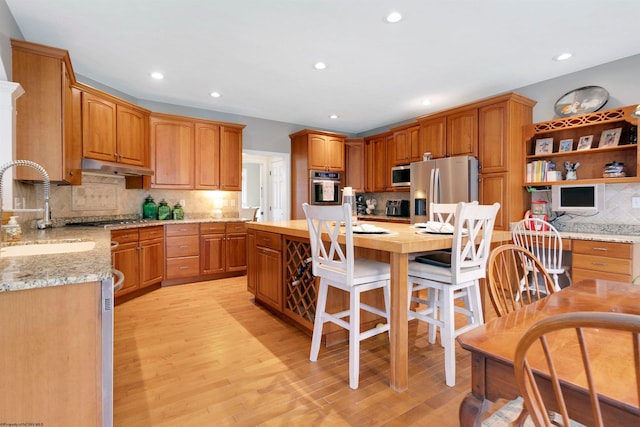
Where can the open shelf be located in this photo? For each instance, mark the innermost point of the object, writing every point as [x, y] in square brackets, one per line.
[593, 160]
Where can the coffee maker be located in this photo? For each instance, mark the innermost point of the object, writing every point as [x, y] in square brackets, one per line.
[361, 205]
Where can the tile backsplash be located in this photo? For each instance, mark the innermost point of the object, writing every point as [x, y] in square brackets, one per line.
[105, 195]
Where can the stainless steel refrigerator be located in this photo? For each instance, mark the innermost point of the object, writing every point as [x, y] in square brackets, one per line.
[448, 180]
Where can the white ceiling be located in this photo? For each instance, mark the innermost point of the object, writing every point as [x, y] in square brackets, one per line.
[259, 54]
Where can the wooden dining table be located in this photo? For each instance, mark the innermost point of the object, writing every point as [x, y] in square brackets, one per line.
[396, 246]
[493, 346]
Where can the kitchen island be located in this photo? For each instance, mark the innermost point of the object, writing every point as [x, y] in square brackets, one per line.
[286, 242]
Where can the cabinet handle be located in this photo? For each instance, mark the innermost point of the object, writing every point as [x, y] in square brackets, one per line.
[600, 249]
[183, 246]
[602, 264]
[183, 267]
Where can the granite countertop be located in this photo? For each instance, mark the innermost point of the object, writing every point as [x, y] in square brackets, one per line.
[39, 271]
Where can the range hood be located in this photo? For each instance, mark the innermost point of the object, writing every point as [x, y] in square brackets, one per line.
[111, 168]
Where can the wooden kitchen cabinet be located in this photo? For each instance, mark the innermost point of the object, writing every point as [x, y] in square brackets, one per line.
[212, 248]
[223, 247]
[126, 258]
[189, 153]
[252, 274]
[377, 165]
[354, 175]
[323, 150]
[48, 119]
[450, 133]
[183, 250]
[501, 125]
[604, 260]
[151, 244]
[172, 152]
[230, 158]
[139, 256]
[407, 146]
[112, 130]
[268, 269]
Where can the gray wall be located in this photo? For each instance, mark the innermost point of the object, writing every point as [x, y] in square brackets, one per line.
[8, 30]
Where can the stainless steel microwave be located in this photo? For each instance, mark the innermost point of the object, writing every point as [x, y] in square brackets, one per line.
[401, 176]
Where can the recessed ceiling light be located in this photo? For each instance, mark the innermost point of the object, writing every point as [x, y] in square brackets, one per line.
[426, 102]
[320, 66]
[215, 94]
[333, 116]
[157, 75]
[393, 17]
[562, 57]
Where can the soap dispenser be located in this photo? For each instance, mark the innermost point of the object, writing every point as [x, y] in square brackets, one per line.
[12, 231]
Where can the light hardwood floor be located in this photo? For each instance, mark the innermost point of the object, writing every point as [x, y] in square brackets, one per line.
[205, 354]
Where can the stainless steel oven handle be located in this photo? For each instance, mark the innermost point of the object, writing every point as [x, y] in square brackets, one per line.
[119, 281]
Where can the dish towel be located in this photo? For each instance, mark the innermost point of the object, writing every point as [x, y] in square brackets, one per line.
[328, 191]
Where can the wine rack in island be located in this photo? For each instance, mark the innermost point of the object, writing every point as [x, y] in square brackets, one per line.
[592, 141]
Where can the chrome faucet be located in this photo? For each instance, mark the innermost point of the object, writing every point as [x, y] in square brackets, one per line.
[46, 220]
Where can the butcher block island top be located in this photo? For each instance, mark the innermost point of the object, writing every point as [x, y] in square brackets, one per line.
[402, 239]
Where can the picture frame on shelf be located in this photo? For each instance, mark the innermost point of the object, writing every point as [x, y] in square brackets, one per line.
[584, 143]
[565, 145]
[610, 137]
[544, 146]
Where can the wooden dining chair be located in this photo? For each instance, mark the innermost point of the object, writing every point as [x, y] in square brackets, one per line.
[543, 240]
[542, 352]
[336, 266]
[460, 280]
[509, 284]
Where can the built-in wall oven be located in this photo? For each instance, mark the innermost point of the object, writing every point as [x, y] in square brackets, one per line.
[325, 187]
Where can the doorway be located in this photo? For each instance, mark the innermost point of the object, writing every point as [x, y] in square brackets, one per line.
[265, 181]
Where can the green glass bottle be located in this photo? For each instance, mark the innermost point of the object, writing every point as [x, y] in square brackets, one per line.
[149, 208]
[164, 211]
[178, 212]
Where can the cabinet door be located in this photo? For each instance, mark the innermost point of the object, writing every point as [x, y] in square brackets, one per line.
[172, 153]
[126, 259]
[462, 133]
[317, 156]
[376, 164]
[493, 188]
[433, 137]
[212, 253]
[354, 165]
[72, 141]
[236, 252]
[151, 262]
[132, 139]
[492, 139]
[335, 153]
[269, 281]
[416, 144]
[401, 148]
[98, 128]
[230, 158]
[252, 267]
[207, 157]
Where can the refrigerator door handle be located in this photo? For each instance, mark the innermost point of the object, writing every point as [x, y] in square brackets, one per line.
[434, 197]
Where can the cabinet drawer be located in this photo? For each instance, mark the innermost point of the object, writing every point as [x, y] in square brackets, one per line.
[604, 249]
[602, 264]
[182, 229]
[578, 274]
[183, 267]
[150, 233]
[268, 240]
[212, 228]
[236, 227]
[125, 236]
[183, 246]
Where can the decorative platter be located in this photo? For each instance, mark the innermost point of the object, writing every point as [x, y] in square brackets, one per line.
[586, 99]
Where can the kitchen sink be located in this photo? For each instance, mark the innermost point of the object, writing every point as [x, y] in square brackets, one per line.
[46, 248]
